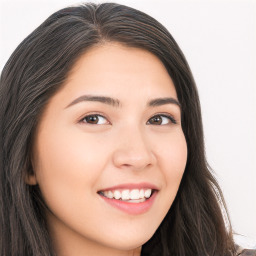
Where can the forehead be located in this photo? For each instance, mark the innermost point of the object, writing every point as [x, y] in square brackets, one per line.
[115, 65]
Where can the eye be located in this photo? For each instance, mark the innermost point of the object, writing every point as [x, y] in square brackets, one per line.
[94, 119]
[161, 120]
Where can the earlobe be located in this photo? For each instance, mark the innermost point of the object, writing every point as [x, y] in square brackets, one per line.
[31, 179]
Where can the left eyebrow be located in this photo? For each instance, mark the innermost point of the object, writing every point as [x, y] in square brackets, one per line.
[163, 101]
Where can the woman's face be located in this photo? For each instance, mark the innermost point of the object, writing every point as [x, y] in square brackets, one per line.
[113, 130]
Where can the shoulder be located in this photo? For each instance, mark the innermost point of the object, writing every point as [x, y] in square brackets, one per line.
[246, 252]
[245, 246]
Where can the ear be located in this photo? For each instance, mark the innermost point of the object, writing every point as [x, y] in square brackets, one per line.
[31, 179]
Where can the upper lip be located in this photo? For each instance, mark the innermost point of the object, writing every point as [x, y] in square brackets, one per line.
[131, 186]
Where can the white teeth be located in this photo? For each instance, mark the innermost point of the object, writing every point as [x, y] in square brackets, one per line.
[138, 200]
[109, 194]
[117, 194]
[142, 193]
[125, 194]
[135, 194]
[128, 195]
[148, 193]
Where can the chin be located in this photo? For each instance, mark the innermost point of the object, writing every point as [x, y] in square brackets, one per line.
[131, 241]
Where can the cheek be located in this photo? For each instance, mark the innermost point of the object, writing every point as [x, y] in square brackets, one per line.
[173, 162]
[172, 154]
[66, 164]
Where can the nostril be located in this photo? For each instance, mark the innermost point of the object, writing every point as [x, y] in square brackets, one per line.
[133, 160]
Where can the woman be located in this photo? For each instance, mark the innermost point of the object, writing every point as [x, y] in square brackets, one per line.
[102, 148]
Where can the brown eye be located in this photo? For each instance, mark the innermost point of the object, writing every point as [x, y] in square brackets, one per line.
[155, 120]
[94, 119]
[161, 120]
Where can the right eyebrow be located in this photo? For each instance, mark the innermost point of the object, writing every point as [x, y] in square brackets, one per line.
[103, 99]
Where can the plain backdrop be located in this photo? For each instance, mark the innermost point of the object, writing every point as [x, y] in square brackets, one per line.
[218, 39]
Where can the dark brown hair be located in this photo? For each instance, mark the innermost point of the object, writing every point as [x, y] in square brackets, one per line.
[37, 69]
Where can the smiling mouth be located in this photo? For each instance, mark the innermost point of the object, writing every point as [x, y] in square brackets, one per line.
[129, 195]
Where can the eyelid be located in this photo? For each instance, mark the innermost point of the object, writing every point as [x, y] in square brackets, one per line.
[80, 120]
[167, 115]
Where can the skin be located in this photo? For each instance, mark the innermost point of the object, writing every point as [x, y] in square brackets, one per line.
[74, 159]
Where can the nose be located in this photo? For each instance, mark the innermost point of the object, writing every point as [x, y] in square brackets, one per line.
[134, 151]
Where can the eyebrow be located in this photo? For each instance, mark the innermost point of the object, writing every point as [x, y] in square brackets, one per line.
[163, 101]
[116, 103]
[103, 99]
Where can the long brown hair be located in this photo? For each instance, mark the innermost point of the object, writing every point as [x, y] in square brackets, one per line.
[37, 69]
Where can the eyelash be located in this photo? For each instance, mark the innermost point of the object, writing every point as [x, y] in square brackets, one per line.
[170, 117]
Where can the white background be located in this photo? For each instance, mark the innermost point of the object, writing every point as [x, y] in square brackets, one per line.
[218, 39]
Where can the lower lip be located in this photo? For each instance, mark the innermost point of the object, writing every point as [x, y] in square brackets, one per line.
[131, 208]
